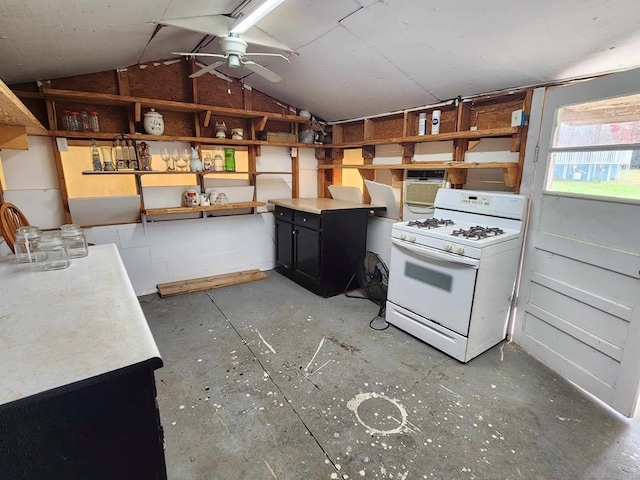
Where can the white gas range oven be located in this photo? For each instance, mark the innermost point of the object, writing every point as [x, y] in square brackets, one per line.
[451, 276]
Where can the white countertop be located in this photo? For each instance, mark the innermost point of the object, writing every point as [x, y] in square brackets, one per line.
[318, 205]
[64, 326]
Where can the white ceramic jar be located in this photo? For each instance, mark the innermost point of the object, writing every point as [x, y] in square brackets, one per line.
[153, 123]
[191, 197]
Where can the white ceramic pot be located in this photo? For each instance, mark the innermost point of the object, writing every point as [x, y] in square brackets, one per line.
[191, 197]
[153, 123]
[237, 133]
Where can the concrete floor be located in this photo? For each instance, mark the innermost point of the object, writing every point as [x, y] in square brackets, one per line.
[267, 381]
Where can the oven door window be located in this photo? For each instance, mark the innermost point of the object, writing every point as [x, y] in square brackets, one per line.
[437, 290]
[429, 276]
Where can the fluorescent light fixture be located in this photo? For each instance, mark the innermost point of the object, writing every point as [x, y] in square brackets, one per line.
[254, 17]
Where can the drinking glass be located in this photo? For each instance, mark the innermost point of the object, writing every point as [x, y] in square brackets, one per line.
[175, 156]
[183, 160]
[166, 156]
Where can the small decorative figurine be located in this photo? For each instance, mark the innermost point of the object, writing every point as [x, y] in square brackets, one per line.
[195, 164]
[221, 130]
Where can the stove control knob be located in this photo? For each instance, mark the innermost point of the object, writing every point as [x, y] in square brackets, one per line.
[403, 236]
[460, 250]
[448, 247]
[412, 238]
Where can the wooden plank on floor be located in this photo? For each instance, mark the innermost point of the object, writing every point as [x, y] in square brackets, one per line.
[206, 283]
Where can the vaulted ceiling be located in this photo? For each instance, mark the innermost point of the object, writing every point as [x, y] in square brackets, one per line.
[351, 58]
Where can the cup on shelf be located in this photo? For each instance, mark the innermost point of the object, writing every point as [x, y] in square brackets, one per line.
[237, 133]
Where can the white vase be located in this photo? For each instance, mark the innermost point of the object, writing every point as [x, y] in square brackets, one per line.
[153, 123]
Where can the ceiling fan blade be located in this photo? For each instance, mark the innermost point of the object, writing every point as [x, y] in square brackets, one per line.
[262, 71]
[275, 55]
[259, 37]
[206, 69]
[217, 25]
[197, 54]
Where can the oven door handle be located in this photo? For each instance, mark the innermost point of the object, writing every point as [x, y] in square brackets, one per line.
[436, 254]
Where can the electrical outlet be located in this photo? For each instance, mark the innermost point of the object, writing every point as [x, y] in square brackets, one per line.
[63, 146]
[517, 118]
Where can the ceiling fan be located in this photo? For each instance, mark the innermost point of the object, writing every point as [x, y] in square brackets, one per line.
[234, 48]
[235, 55]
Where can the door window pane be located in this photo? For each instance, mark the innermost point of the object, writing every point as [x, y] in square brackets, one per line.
[596, 149]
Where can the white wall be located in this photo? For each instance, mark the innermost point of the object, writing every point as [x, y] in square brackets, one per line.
[157, 252]
[32, 183]
[160, 252]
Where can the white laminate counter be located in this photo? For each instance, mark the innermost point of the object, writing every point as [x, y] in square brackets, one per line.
[64, 326]
[318, 205]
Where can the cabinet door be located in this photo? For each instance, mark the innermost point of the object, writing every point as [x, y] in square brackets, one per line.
[104, 428]
[284, 245]
[307, 253]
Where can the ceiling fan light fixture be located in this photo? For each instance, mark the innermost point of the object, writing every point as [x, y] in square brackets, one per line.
[233, 61]
[254, 17]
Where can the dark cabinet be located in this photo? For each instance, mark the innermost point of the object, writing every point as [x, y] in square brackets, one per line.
[106, 427]
[284, 245]
[307, 254]
[320, 251]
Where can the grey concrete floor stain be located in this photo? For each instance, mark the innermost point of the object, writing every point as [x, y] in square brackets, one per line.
[268, 381]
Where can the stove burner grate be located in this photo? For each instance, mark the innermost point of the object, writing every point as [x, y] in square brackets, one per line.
[477, 232]
[430, 223]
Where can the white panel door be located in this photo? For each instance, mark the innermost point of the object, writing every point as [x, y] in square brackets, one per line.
[579, 303]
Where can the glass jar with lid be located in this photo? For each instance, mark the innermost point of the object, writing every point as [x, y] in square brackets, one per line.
[64, 120]
[75, 240]
[94, 122]
[74, 121]
[51, 252]
[84, 121]
[25, 244]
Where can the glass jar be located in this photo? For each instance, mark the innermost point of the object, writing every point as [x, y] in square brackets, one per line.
[51, 252]
[218, 163]
[94, 124]
[207, 162]
[75, 240]
[26, 243]
[74, 121]
[64, 121]
[84, 121]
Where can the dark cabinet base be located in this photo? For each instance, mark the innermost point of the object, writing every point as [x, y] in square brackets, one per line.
[320, 252]
[103, 428]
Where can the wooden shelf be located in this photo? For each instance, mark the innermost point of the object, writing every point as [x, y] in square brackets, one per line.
[463, 135]
[168, 105]
[422, 166]
[204, 141]
[210, 208]
[165, 172]
[139, 103]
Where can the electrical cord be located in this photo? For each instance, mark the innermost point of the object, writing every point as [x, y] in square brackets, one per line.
[386, 324]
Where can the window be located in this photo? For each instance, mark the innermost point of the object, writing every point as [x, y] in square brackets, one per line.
[596, 149]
